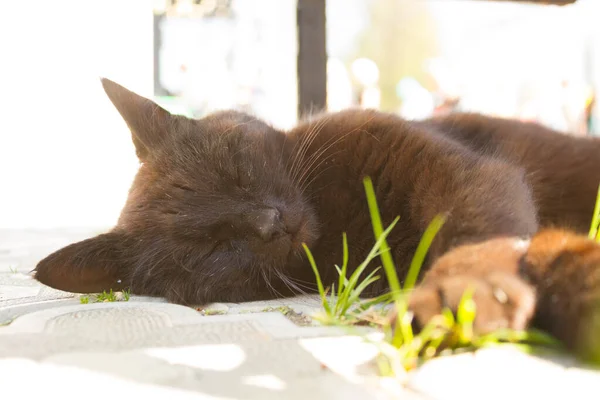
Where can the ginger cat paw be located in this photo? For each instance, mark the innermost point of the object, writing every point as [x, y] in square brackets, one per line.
[551, 283]
[502, 300]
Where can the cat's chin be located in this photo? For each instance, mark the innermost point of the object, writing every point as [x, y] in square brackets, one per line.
[290, 246]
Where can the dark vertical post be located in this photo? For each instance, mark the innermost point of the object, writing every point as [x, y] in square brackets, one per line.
[312, 56]
[158, 90]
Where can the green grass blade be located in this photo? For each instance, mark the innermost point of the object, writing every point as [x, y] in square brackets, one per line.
[363, 285]
[381, 300]
[435, 342]
[386, 256]
[332, 300]
[593, 234]
[405, 333]
[344, 263]
[465, 316]
[434, 328]
[448, 316]
[372, 254]
[343, 300]
[344, 279]
[350, 285]
[377, 250]
[313, 265]
[355, 295]
[531, 336]
[419, 257]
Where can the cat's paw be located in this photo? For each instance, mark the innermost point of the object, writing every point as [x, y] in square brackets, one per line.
[502, 300]
[551, 283]
[490, 270]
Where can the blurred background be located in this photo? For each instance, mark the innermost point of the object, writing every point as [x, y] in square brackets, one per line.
[66, 158]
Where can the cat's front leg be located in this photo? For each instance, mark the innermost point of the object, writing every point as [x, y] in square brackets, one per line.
[491, 271]
[565, 269]
[551, 282]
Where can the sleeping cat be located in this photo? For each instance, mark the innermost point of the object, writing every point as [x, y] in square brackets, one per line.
[221, 206]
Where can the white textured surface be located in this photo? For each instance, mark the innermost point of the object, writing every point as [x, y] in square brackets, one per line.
[505, 372]
[17, 292]
[148, 347]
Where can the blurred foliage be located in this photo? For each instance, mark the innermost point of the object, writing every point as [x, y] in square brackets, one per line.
[400, 37]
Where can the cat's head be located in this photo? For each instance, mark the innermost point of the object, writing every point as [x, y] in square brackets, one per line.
[213, 214]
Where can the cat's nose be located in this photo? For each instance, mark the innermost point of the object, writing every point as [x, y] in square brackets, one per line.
[266, 223]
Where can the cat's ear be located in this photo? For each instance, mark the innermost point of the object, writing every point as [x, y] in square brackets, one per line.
[149, 123]
[90, 266]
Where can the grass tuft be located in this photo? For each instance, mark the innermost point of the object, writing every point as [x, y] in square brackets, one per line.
[386, 256]
[106, 297]
[346, 305]
[402, 349]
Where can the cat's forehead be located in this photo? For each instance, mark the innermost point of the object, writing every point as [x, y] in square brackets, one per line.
[228, 132]
[225, 122]
[220, 141]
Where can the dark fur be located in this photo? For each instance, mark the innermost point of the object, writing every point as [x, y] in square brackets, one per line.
[221, 206]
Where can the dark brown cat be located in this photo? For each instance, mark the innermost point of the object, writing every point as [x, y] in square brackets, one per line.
[220, 208]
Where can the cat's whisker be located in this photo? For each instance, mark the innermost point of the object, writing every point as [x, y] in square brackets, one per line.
[307, 289]
[308, 140]
[302, 168]
[266, 280]
[304, 283]
[304, 289]
[241, 150]
[290, 284]
[308, 166]
[269, 284]
[295, 154]
[302, 182]
[308, 183]
[172, 289]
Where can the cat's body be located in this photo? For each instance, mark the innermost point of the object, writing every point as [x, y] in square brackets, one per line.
[221, 206]
[562, 170]
[495, 177]
[417, 174]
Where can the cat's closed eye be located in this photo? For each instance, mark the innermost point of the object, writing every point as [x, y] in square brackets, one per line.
[183, 187]
[243, 178]
[216, 246]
